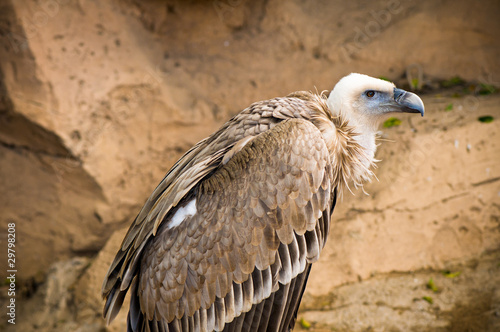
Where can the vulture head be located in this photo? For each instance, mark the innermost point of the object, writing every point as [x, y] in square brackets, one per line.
[365, 101]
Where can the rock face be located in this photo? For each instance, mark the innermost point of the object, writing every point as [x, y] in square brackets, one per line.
[99, 99]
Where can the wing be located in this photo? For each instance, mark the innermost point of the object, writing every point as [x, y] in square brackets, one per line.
[197, 163]
[241, 256]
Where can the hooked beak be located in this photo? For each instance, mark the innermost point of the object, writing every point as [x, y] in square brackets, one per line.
[408, 102]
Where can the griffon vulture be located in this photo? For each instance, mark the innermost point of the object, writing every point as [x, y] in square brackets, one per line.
[227, 239]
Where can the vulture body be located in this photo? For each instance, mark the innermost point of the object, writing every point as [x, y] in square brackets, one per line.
[227, 239]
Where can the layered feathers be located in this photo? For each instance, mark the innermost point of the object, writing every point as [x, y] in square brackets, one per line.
[265, 186]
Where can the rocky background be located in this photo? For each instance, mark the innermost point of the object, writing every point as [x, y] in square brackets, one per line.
[99, 98]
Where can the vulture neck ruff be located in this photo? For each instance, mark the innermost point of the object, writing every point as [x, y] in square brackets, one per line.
[353, 154]
[353, 159]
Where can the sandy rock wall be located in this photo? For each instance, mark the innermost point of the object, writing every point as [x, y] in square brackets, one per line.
[99, 98]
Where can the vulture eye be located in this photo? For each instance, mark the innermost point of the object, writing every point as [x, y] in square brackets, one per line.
[370, 93]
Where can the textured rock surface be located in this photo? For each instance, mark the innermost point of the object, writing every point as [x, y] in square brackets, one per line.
[467, 299]
[98, 100]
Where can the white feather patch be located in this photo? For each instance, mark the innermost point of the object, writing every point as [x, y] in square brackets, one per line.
[182, 213]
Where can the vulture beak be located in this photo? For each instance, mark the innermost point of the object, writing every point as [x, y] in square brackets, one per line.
[408, 102]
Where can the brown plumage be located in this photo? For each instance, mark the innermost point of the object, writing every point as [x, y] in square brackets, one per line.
[227, 239]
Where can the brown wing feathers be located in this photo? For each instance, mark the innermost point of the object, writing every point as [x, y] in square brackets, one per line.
[262, 217]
